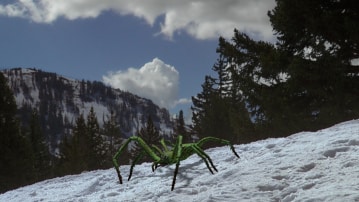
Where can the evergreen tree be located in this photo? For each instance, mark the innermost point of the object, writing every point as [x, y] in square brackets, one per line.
[150, 134]
[306, 81]
[96, 156]
[327, 28]
[181, 128]
[257, 90]
[210, 113]
[219, 110]
[42, 157]
[86, 149]
[16, 159]
[74, 150]
[61, 167]
[324, 42]
[113, 133]
[201, 103]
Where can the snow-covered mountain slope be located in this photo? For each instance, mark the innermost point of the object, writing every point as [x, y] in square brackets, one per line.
[60, 100]
[308, 166]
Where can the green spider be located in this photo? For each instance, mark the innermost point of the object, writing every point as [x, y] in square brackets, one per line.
[168, 156]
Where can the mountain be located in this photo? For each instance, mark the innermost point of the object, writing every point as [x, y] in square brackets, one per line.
[60, 100]
[307, 166]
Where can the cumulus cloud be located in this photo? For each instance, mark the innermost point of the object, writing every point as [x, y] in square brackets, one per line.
[155, 80]
[202, 19]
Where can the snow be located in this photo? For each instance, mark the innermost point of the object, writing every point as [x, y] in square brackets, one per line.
[307, 166]
[99, 109]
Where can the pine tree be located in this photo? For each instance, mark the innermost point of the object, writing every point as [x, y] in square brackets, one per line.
[181, 128]
[201, 103]
[219, 110]
[74, 150]
[16, 159]
[42, 156]
[306, 81]
[114, 137]
[328, 28]
[257, 92]
[150, 134]
[254, 69]
[322, 45]
[61, 166]
[96, 156]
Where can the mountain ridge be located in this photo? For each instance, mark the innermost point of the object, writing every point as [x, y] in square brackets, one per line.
[60, 100]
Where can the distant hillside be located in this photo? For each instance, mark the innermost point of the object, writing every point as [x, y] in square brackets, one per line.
[60, 100]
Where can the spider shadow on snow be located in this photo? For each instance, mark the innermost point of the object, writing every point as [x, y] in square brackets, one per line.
[183, 178]
[186, 173]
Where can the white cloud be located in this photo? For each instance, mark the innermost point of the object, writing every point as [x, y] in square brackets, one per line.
[202, 19]
[183, 101]
[155, 80]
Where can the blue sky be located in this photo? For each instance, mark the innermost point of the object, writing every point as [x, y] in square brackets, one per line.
[159, 50]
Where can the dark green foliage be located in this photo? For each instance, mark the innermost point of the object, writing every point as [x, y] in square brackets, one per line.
[321, 45]
[112, 133]
[305, 82]
[86, 149]
[219, 109]
[97, 148]
[181, 129]
[150, 134]
[42, 157]
[16, 157]
[74, 150]
[329, 27]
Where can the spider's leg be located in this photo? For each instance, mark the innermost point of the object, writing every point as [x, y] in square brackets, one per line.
[114, 159]
[206, 155]
[205, 158]
[160, 153]
[234, 151]
[158, 150]
[154, 166]
[222, 141]
[118, 174]
[146, 150]
[175, 174]
[177, 152]
[138, 157]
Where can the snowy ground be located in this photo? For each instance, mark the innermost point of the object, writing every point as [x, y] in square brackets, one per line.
[308, 166]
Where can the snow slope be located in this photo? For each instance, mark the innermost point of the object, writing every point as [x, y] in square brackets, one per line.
[308, 166]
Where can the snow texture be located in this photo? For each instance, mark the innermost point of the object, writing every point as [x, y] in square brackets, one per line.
[307, 166]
